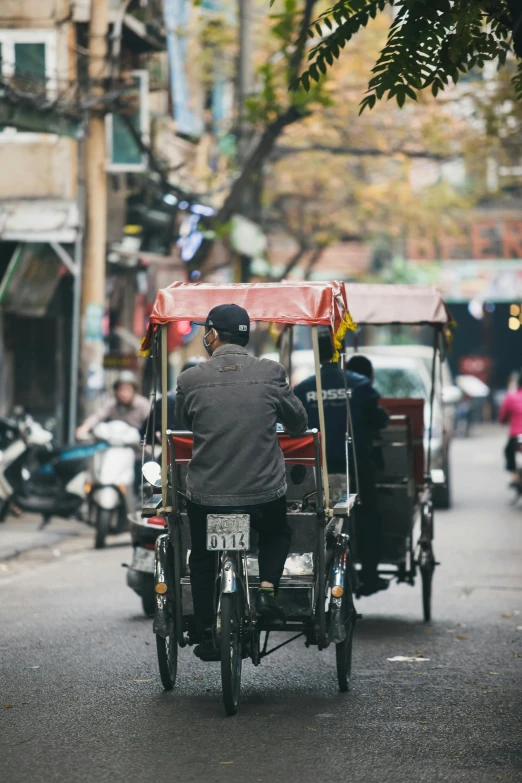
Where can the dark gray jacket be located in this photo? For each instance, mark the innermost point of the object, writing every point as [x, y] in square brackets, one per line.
[232, 404]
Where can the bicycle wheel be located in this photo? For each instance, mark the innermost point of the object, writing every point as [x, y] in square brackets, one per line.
[230, 642]
[343, 650]
[167, 650]
[427, 579]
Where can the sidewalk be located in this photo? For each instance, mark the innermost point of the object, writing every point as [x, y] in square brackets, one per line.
[18, 535]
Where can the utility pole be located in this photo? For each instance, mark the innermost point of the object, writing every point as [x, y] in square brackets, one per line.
[244, 76]
[93, 286]
[244, 89]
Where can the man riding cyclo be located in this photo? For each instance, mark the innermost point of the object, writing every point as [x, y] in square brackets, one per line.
[368, 418]
[232, 404]
[127, 405]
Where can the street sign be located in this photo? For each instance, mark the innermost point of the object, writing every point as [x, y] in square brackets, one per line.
[120, 361]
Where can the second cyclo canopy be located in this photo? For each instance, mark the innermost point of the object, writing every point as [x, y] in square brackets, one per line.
[381, 304]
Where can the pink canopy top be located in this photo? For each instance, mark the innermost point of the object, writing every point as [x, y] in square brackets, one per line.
[292, 303]
[396, 304]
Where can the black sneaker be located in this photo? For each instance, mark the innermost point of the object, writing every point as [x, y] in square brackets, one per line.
[207, 651]
[268, 608]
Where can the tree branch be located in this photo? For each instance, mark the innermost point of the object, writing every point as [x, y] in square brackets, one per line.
[259, 154]
[292, 263]
[313, 260]
[296, 59]
[284, 151]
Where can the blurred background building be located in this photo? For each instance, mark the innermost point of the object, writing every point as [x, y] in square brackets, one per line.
[192, 97]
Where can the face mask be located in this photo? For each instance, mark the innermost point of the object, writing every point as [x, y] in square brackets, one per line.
[206, 345]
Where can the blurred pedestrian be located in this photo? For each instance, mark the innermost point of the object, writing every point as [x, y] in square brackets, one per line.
[511, 413]
[127, 405]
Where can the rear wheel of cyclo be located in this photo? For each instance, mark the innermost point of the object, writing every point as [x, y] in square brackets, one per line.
[167, 659]
[231, 659]
[427, 579]
[343, 650]
[103, 524]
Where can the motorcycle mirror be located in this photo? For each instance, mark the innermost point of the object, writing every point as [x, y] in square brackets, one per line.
[152, 473]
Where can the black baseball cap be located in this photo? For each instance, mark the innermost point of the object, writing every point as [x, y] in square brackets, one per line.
[228, 318]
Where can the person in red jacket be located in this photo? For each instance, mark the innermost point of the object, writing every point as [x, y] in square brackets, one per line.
[511, 413]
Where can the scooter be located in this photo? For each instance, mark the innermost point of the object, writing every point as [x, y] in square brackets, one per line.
[37, 475]
[111, 494]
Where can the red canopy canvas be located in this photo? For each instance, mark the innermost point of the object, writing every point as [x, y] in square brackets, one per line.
[311, 304]
[397, 304]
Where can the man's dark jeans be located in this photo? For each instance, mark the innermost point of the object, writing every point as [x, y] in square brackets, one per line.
[274, 534]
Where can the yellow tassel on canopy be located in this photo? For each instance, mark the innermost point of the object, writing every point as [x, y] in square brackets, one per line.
[448, 335]
[346, 324]
[275, 331]
[146, 343]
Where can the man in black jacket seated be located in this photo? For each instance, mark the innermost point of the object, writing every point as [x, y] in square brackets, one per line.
[368, 418]
[232, 404]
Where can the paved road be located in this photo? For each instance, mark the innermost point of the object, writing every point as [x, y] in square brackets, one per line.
[19, 535]
[78, 667]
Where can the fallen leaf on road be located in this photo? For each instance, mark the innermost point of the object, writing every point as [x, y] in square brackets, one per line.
[462, 638]
[423, 722]
[406, 659]
[198, 678]
[100, 642]
[226, 762]
[148, 645]
[142, 680]
[310, 728]
[497, 674]
[7, 706]
[507, 616]
[33, 667]
[428, 630]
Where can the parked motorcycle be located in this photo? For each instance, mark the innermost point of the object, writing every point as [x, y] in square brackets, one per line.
[140, 573]
[111, 488]
[37, 475]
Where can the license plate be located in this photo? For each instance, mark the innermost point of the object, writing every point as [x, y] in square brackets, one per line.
[143, 560]
[228, 531]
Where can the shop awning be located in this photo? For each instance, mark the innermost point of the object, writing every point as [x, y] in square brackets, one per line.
[39, 220]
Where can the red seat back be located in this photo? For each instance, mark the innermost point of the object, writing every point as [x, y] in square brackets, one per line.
[297, 451]
[414, 410]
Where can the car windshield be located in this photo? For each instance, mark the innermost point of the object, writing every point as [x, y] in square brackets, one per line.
[399, 382]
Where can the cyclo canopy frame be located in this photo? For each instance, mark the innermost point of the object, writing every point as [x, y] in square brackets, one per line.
[308, 304]
[413, 305]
